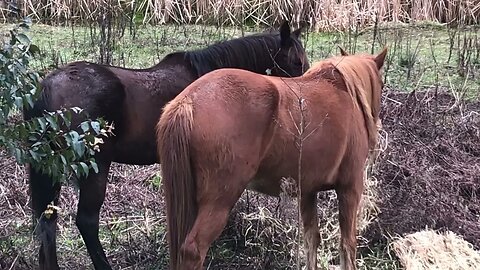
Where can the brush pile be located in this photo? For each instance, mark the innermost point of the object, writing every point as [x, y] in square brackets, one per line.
[430, 172]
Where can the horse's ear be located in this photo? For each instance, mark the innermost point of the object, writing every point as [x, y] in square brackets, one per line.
[299, 31]
[380, 58]
[342, 51]
[285, 38]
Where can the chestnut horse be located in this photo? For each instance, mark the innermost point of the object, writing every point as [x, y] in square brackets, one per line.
[233, 129]
[133, 99]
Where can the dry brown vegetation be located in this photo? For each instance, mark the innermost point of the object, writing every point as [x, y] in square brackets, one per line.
[431, 169]
[428, 176]
[320, 14]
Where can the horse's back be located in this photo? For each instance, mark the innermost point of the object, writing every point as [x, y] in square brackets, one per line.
[233, 115]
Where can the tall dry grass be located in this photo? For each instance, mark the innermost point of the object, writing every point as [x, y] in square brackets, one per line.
[321, 14]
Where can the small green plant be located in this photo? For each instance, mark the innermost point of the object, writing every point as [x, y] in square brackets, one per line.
[156, 181]
[50, 143]
[409, 57]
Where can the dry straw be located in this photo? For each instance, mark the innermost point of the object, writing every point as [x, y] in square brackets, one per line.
[436, 251]
[321, 14]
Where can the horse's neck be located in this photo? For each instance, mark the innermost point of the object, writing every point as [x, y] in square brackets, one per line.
[177, 61]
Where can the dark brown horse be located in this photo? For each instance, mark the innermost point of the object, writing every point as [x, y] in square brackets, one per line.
[233, 129]
[133, 99]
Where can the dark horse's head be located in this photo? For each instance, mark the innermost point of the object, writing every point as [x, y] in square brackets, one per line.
[290, 59]
[278, 53]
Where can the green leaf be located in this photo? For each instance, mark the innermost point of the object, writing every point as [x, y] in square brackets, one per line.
[19, 102]
[64, 160]
[94, 165]
[52, 121]
[85, 126]
[34, 49]
[75, 169]
[43, 124]
[18, 155]
[28, 98]
[23, 38]
[67, 118]
[79, 148]
[34, 155]
[96, 126]
[85, 168]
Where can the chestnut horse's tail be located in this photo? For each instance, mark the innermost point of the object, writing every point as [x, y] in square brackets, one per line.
[173, 140]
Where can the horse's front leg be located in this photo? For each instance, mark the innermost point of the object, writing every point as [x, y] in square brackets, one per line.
[348, 202]
[92, 195]
[308, 206]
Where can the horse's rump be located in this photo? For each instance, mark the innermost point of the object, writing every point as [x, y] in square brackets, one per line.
[100, 94]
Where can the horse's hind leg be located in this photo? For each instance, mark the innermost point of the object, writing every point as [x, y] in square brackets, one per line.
[92, 195]
[211, 220]
[44, 192]
[215, 201]
[308, 208]
[348, 202]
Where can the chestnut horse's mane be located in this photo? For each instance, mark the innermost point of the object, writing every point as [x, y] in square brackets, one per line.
[363, 83]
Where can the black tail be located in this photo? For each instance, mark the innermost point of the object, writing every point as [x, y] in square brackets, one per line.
[43, 191]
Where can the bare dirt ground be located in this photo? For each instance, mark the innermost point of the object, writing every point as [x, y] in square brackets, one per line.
[429, 176]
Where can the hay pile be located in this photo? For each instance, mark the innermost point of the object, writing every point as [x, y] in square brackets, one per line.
[430, 173]
[430, 250]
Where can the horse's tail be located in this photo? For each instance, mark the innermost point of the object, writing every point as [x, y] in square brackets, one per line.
[43, 191]
[173, 140]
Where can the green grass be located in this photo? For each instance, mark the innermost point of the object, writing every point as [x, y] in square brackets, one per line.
[420, 56]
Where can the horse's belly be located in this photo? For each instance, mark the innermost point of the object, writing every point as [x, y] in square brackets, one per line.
[136, 152]
[273, 186]
[263, 186]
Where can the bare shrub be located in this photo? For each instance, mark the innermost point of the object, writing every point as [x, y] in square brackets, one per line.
[430, 173]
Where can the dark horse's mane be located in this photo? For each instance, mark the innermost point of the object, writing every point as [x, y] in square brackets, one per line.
[242, 53]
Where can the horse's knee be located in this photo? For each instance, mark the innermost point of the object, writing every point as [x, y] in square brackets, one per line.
[312, 236]
[348, 250]
[86, 222]
[190, 255]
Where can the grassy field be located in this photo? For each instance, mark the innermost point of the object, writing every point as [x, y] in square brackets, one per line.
[420, 56]
[426, 56]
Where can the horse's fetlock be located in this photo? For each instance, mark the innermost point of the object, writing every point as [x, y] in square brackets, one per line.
[52, 210]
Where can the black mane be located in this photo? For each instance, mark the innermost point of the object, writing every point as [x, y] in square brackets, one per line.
[252, 53]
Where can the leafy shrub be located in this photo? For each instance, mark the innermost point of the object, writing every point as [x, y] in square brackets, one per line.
[50, 143]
